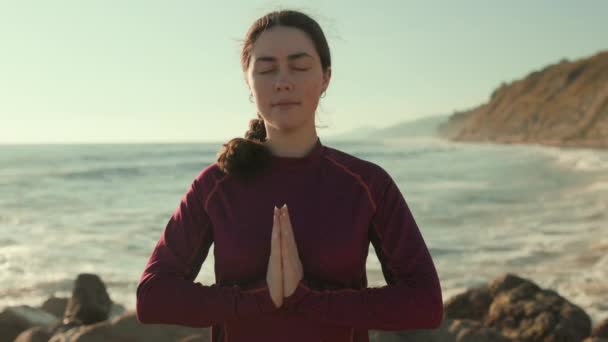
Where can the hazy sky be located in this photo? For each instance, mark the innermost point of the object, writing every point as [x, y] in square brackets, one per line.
[159, 71]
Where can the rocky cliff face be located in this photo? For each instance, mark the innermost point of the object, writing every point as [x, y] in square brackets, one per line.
[565, 104]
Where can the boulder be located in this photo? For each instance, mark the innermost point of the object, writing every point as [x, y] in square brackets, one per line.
[90, 302]
[601, 330]
[524, 311]
[35, 334]
[126, 327]
[472, 304]
[17, 319]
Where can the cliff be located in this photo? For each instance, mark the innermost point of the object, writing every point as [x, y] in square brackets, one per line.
[564, 104]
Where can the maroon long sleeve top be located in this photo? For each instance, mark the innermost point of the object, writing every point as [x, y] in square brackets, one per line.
[338, 204]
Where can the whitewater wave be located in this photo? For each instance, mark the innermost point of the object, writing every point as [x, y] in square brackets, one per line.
[578, 159]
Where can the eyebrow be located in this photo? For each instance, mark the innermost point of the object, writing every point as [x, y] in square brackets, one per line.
[290, 57]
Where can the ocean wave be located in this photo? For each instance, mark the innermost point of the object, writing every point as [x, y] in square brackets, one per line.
[578, 159]
[137, 170]
[98, 173]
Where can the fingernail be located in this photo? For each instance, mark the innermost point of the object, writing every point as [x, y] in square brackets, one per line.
[285, 205]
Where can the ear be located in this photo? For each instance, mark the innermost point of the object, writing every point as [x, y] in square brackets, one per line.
[326, 78]
[246, 78]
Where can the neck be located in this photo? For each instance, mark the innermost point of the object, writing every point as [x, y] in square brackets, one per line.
[295, 144]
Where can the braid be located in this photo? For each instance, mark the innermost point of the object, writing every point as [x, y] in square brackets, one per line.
[257, 129]
[246, 157]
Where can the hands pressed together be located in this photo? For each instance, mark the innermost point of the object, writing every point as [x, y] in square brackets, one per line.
[284, 265]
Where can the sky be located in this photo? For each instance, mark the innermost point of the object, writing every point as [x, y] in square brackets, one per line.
[131, 71]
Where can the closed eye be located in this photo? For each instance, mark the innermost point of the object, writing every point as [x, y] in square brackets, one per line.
[274, 69]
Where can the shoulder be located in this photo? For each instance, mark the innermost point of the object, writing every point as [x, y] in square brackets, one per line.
[208, 178]
[371, 174]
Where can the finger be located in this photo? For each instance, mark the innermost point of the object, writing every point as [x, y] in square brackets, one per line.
[288, 228]
[285, 234]
[275, 242]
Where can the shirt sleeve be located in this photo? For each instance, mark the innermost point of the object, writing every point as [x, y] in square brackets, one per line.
[411, 299]
[167, 294]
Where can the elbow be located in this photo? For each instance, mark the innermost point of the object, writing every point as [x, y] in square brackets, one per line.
[140, 311]
[435, 317]
[143, 311]
[431, 313]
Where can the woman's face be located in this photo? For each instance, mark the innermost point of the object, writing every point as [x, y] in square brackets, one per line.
[285, 67]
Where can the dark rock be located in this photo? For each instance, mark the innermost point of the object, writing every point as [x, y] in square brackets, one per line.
[35, 334]
[449, 331]
[473, 331]
[90, 302]
[504, 283]
[524, 311]
[601, 330]
[473, 304]
[117, 310]
[17, 319]
[55, 306]
[127, 328]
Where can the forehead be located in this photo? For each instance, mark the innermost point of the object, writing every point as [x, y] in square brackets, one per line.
[281, 41]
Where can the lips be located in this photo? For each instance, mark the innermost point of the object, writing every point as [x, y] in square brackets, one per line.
[285, 103]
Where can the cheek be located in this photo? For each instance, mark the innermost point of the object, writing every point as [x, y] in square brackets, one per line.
[312, 95]
[263, 91]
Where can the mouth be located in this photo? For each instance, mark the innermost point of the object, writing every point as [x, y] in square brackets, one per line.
[286, 104]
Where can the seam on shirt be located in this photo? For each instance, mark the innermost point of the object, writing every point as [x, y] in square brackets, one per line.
[205, 206]
[385, 255]
[211, 193]
[375, 227]
[358, 178]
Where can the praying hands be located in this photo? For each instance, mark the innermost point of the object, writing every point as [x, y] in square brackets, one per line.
[284, 265]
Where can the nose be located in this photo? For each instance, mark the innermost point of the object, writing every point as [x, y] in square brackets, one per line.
[283, 84]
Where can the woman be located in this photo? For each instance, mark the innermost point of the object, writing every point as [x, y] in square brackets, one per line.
[291, 220]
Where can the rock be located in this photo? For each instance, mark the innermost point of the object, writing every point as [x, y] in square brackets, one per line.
[15, 320]
[55, 306]
[523, 311]
[473, 304]
[601, 330]
[102, 331]
[90, 302]
[35, 334]
[117, 310]
[451, 330]
[126, 327]
[504, 283]
[473, 331]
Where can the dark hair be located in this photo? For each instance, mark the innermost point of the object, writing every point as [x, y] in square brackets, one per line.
[246, 157]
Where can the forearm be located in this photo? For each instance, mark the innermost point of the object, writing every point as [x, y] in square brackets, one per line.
[173, 300]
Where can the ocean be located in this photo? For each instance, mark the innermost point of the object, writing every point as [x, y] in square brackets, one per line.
[483, 209]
